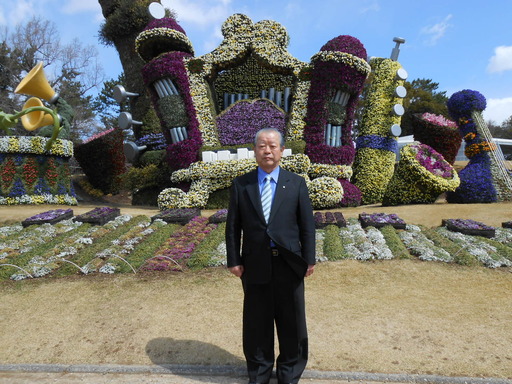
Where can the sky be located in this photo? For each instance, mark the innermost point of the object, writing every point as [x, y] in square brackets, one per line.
[458, 44]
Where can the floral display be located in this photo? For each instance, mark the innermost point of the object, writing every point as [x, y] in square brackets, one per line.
[422, 247]
[35, 145]
[207, 177]
[264, 42]
[363, 244]
[102, 160]
[175, 253]
[340, 65]
[439, 133]
[98, 215]
[125, 244]
[487, 254]
[420, 177]
[153, 141]
[375, 159]
[178, 216]
[322, 219]
[324, 192]
[239, 124]
[219, 217]
[29, 175]
[381, 219]
[171, 66]
[484, 179]
[469, 227]
[51, 216]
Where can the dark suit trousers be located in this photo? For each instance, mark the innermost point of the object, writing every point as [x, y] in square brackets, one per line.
[280, 301]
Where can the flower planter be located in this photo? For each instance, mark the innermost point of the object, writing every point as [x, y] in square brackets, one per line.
[420, 177]
[439, 133]
[50, 217]
[31, 175]
[98, 216]
[507, 224]
[379, 220]
[218, 217]
[469, 227]
[177, 216]
[323, 219]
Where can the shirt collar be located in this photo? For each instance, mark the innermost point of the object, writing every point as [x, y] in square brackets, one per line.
[262, 174]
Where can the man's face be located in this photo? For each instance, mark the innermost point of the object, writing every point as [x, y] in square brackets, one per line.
[268, 151]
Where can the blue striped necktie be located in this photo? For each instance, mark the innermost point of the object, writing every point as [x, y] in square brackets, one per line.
[266, 198]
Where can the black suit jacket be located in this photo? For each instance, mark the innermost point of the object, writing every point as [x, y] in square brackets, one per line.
[291, 226]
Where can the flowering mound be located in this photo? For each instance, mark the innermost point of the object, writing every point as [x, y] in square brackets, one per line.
[348, 44]
[52, 216]
[379, 220]
[421, 176]
[439, 133]
[469, 227]
[462, 103]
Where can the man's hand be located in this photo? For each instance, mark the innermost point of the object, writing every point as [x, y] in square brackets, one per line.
[237, 270]
[310, 270]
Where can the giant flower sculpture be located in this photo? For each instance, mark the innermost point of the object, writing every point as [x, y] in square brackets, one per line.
[484, 179]
[377, 142]
[421, 176]
[337, 78]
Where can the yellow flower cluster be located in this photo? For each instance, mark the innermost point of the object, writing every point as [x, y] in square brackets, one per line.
[336, 171]
[343, 58]
[474, 149]
[35, 145]
[373, 168]
[373, 182]
[414, 184]
[377, 117]
[268, 41]
[39, 199]
[207, 177]
[324, 192]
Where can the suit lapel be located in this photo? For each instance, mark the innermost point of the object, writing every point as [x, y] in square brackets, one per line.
[280, 194]
[253, 191]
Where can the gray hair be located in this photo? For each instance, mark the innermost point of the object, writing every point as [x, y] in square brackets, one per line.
[268, 130]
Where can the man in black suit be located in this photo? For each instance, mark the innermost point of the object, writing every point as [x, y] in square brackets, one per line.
[277, 252]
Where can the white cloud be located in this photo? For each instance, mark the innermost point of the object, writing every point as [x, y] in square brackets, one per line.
[18, 12]
[372, 7]
[200, 12]
[78, 6]
[502, 59]
[498, 110]
[436, 31]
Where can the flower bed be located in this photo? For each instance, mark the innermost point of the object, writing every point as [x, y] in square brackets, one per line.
[98, 216]
[219, 217]
[174, 255]
[379, 220]
[30, 175]
[507, 224]
[322, 219]
[469, 227]
[53, 216]
[179, 215]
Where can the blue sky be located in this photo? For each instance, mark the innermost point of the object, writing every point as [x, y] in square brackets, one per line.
[458, 44]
